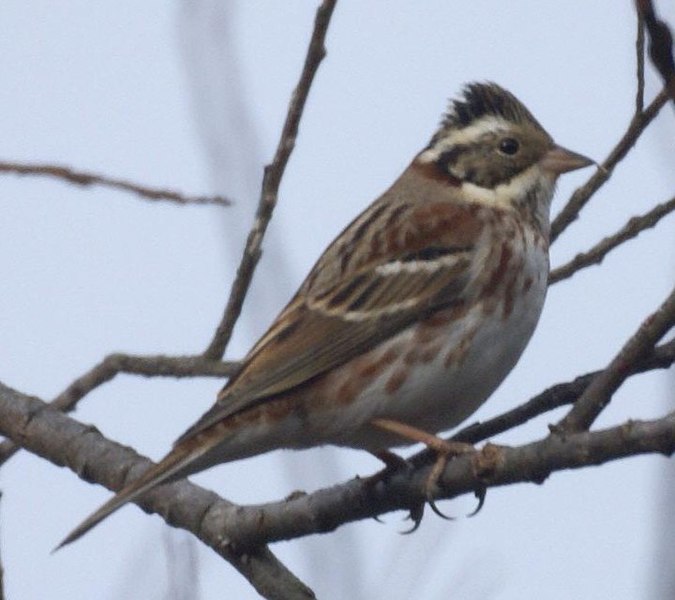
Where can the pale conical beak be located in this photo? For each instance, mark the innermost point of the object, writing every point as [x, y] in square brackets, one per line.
[559, 160]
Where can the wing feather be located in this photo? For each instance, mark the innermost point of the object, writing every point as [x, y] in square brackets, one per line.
[318, 335]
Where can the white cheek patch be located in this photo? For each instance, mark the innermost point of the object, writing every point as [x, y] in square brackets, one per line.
[504, 194]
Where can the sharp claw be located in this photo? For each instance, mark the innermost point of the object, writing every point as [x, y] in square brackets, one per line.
[481, 495]
[437, 510]
[413, 529]
[415, 515]
[394, 463]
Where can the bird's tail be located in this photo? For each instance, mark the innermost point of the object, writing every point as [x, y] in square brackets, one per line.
[173, 465]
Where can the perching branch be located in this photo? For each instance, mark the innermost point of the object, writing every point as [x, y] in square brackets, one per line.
[493, 466]
[236, 532]
[51, 434]
[271, 181]
[86, 179]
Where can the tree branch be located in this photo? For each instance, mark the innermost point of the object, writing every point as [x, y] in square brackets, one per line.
[113, 364]
[640, 64]
[582, 195]
[86, 179]
[493, 466]
[51, 434]
[229, 529]
[598, 394]
[597, 253]
[147, 366]
[660, 44]
[271, 181]
[554, 397]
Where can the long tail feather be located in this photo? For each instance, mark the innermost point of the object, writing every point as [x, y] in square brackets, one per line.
[172, 465]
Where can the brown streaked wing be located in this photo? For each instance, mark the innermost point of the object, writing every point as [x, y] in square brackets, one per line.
[314, 335]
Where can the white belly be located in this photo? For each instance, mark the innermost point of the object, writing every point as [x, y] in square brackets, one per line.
[438, 380]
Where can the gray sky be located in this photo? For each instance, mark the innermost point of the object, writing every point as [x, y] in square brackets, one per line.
[119, 88]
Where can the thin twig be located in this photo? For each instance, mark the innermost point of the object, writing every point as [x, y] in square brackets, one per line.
[640, 64]
[582, 195]
[561, 394]
[85, 179]
[597, 253]
[147, 366]
[271, 181]
[660, 44]
[598, 394]
[114, 364]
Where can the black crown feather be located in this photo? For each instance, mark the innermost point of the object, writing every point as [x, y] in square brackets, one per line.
[486, 99]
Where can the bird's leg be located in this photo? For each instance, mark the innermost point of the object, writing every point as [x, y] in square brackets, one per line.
[392, 461]
[444, 451]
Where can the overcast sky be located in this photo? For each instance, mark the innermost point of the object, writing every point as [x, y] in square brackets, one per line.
[192, 95]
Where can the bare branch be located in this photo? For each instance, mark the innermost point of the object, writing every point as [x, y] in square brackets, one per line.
[49, 433]
[660, 44]
[640, 64]
[85, 179]
[271, 181]
[237, 533]
[325, 510]
[147, 366]
[597, 253]
[554, 397]
[598, 394]
[582, 195]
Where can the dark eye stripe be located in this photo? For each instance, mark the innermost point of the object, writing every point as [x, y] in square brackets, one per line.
[450, 157]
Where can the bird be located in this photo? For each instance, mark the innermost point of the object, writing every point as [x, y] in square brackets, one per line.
[411, 317]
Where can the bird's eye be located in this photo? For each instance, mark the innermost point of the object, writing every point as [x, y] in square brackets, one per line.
[509, 146]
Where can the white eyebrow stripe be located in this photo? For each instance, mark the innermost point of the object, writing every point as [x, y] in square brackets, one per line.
[467, 135]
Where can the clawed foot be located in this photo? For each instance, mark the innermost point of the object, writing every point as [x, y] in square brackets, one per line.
[395, 464]
[480, 494]
[444, 450]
